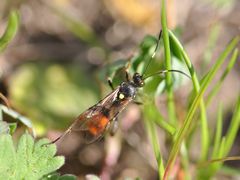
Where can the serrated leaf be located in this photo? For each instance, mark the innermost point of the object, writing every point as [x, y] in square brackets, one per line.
[7, 157]
[30, 160]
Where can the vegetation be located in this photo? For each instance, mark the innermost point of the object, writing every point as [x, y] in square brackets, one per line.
[32, 160]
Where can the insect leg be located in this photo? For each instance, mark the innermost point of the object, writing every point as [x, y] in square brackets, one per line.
[127, 67]
[137, 103]
[114, 127]
[61, 136]
[110, 83]
[127, 76]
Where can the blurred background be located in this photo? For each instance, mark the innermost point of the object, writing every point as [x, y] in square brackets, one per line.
[54, 69]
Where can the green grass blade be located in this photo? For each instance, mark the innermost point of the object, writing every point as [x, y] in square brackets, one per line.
[221, 160]
[11, 30]
[196, 85]
[207, 173]
[233, 129]
[166, 126]
[186, 59]
[170, 97]
[222, 146]
[185, 161]
[218, 133]
[189, 119]
[229, 67]
[212, 40]
[232, 171]
[220, 154]
[151, 131]
[154, 114]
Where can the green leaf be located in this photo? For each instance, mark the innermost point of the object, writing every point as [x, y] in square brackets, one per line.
[233, 129]
[230, 170]
[30, 160]
[178, 79]
[151, 112]
[7, 157]
[203, 116]
[189, 119]
[57, 176]
[4, 127]
[168, 63]
[146, 50]
[219, 83]
[15, 115]
[152, 133]
[115, 71]
[12, 127]
[76, 90]
[218, 133]
[10, 31]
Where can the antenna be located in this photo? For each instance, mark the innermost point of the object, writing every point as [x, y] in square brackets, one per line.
[166, 71]
[154, 53]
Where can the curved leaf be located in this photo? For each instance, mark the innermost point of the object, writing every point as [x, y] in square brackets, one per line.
[11, 30]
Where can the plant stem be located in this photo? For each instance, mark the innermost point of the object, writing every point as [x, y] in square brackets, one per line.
[170, 96]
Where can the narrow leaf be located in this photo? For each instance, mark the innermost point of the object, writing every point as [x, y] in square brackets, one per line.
[151, 131]
[203, 115]
[219, 83]
[167, 53]
[189, 119]
[233, 129]
[218, 133]
[10, 31]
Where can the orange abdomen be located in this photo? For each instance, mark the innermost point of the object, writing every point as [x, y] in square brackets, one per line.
[98, 124]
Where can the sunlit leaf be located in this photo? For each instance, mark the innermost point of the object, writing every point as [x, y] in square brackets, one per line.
[29, 161]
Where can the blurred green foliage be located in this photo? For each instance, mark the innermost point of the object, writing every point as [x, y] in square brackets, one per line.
[52, 95]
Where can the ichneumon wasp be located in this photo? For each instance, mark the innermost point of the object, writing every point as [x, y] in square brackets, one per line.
[96, 120]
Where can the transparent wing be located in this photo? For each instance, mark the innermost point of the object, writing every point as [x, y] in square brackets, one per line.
[93, 122]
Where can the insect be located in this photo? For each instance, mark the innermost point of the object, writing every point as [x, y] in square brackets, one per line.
[96, 120]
